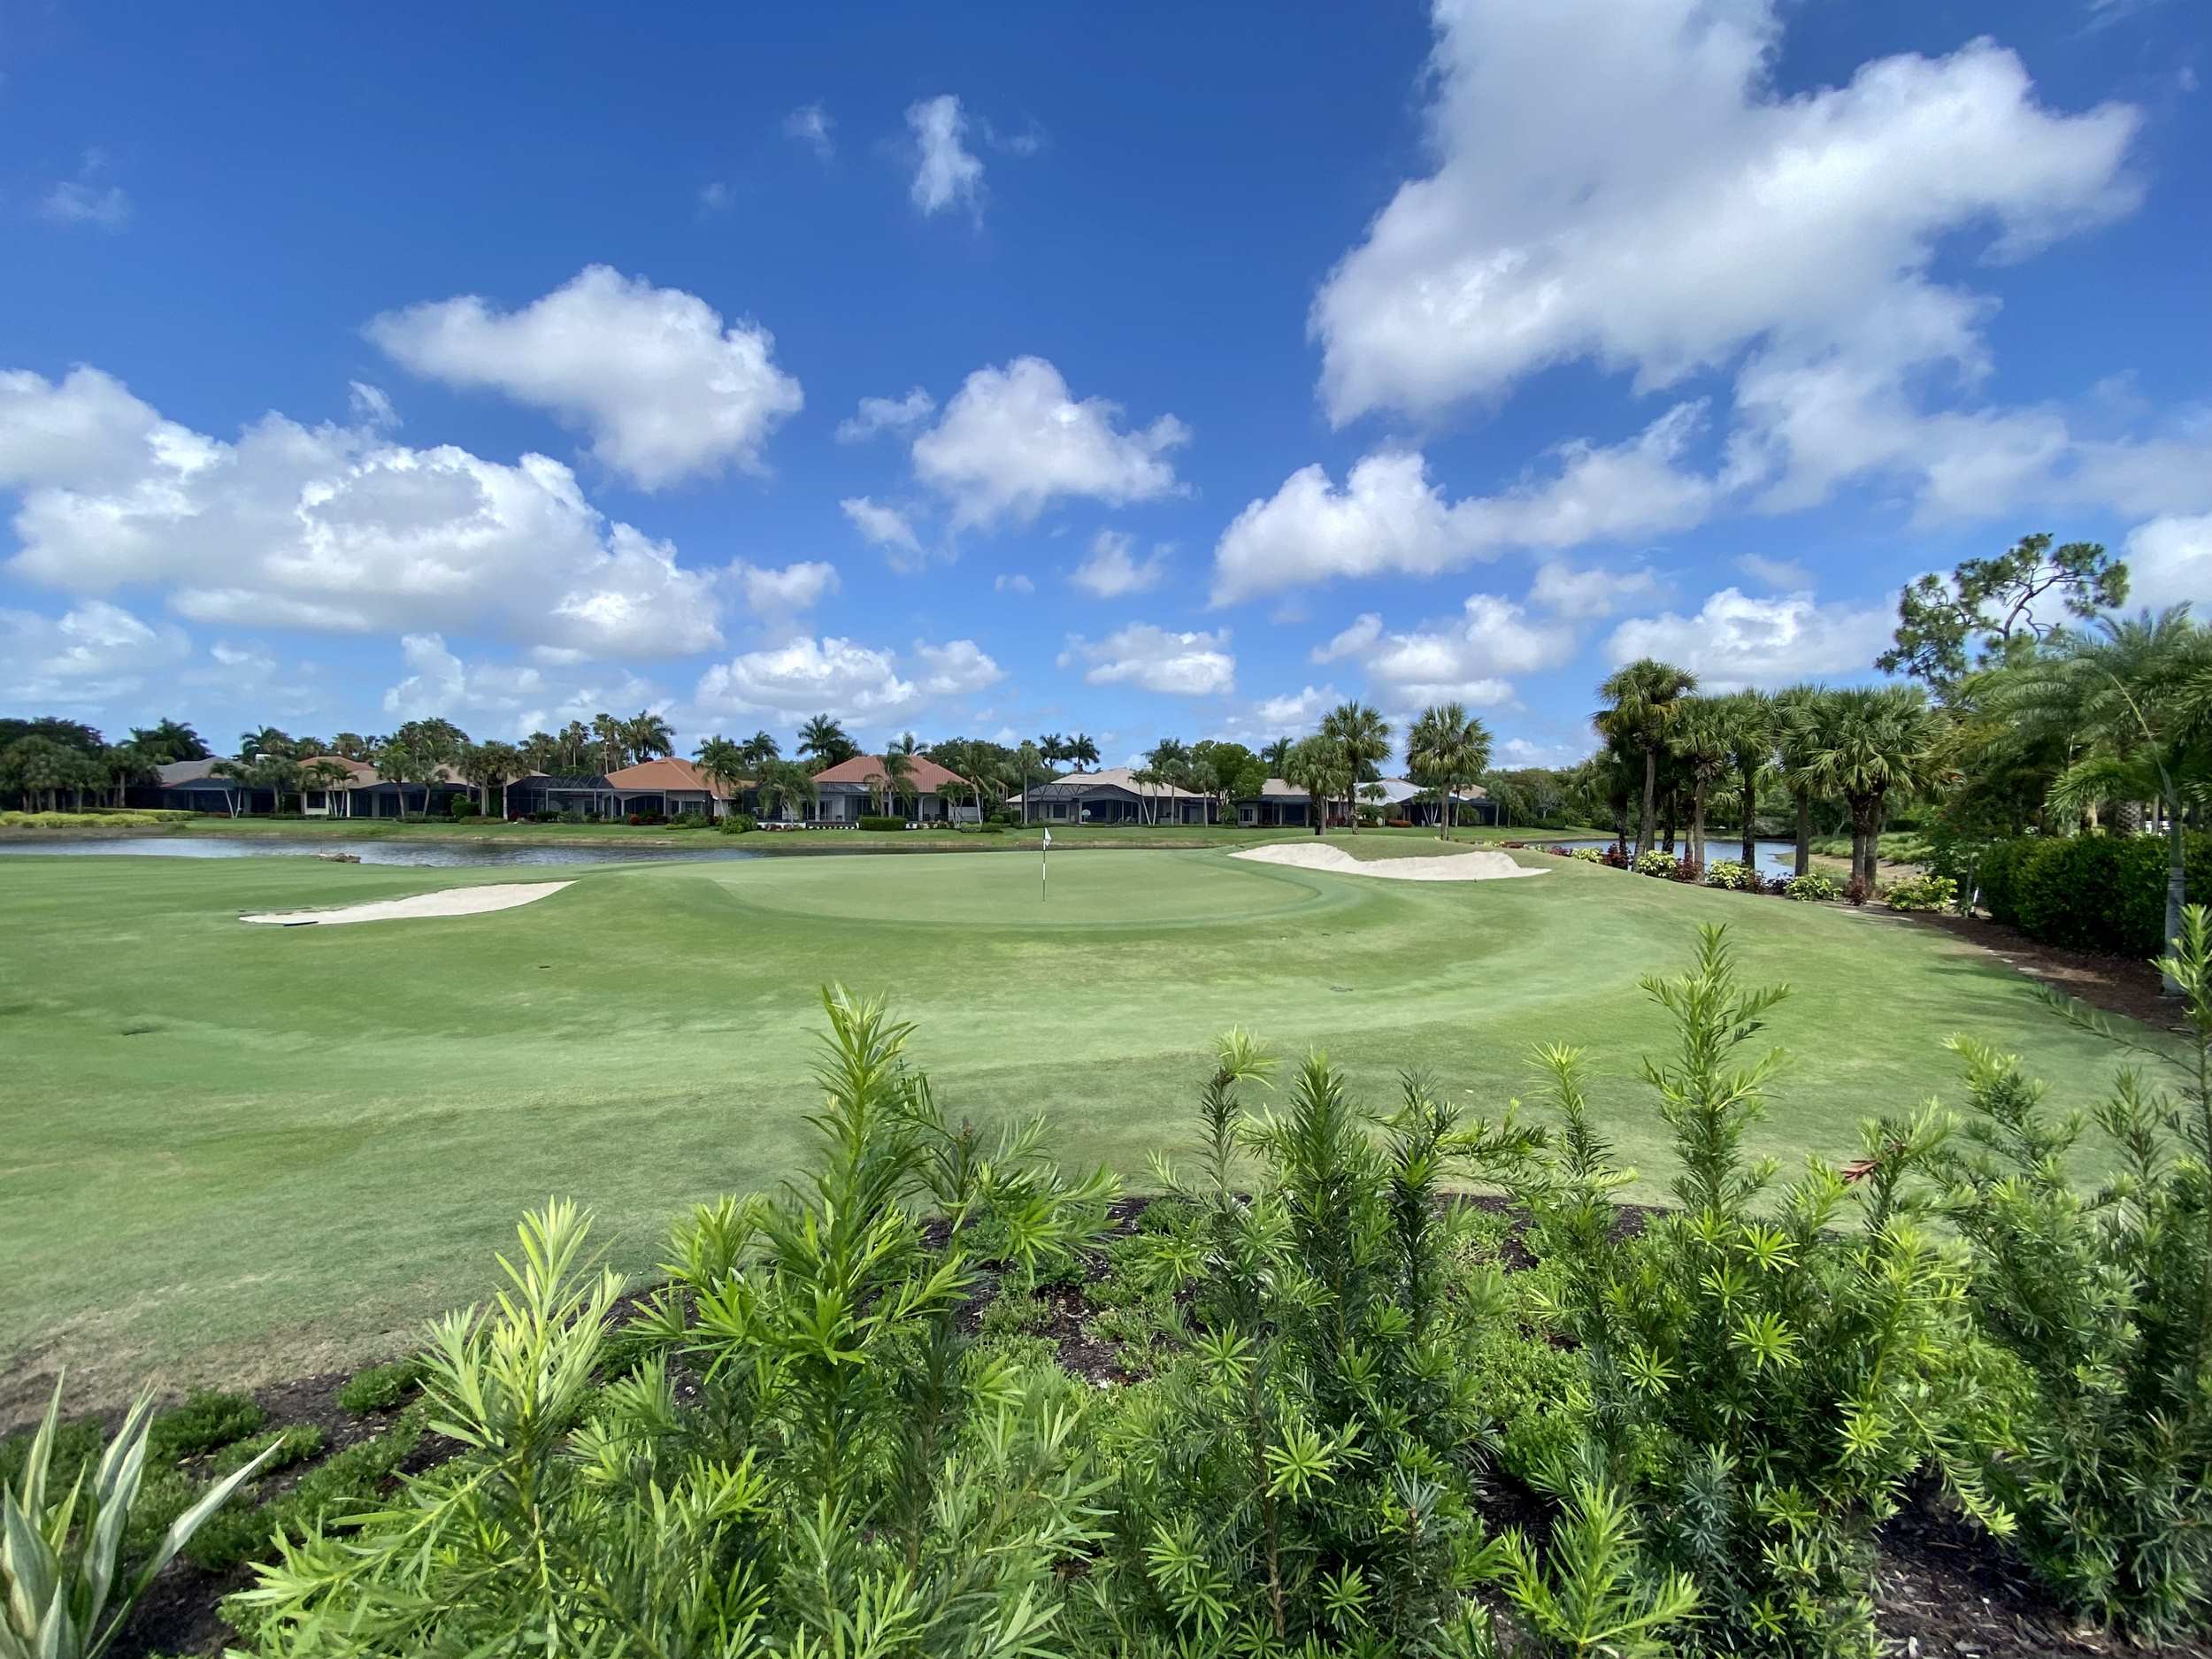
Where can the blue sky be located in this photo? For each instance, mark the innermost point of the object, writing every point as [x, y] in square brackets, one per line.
[1161, 369]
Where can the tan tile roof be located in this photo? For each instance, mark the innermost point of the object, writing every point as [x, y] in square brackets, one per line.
[923, 773]
[666, 773]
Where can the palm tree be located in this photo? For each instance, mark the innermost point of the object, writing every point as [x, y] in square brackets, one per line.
[785, 784]
[1750, 722]
[1053, 746]
[1640, 700]
[725, 765]
[756, 751]
[170, 740]
[1800, 714]
[575, 740]
[485, 764]
[325, 774]
[898, 770]
[1363, 738]
[542, 752]
[613, 741]
[1027, 759]
[1274, 756]
[350, 746]
[1082, 750]
[1698, 738]
[238, 771]
[126, 763]
[648, 735]
[1874, 744]
[1317, 765]
[267, 740]
[2132, 695]
[1447, 748]
[824, 742]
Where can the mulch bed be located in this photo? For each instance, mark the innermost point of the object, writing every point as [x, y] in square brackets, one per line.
[1944, 1590]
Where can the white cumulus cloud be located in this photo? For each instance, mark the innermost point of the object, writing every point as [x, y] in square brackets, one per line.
[956, 667]
[811, 124]
[1736, 640]
[663, 388]
[2169, 561]
[1112, 571]
[783, 592]
[1189, 664]
[90, 655]
[1015, 438]
[886, 414]
[1595, 591]
[884, 526]
[808, 676]
[330, 527]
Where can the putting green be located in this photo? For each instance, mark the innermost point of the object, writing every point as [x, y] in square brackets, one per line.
[250, 1152]
[1140, 890]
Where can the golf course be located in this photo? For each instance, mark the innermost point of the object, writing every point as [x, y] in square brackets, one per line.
[239, 1152]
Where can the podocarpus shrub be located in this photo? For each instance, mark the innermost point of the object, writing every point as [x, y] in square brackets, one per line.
[2101, 1302]
[873, 822]
[1766, 1373]
[852, 1477]
[461, 806]
[737, 824]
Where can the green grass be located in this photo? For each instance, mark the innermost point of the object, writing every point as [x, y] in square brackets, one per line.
[232, 1154]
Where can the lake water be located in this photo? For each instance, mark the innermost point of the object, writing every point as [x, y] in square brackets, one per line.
[1776, 858]
[370, 852]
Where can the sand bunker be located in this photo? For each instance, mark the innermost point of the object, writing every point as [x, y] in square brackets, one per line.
[499, 895]
[1472, 866]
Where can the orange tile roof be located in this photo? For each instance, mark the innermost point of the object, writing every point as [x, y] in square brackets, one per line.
[923, 773]
[666, 773]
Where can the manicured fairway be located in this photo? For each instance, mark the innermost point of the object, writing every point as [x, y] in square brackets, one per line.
[248, 1152]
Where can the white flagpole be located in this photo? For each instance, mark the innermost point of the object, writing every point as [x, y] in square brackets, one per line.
[1043, 848]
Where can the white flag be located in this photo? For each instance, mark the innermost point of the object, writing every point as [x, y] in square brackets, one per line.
[1047, 838]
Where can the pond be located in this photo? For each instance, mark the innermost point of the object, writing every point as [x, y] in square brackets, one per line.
[369, 852]
[1776, 858]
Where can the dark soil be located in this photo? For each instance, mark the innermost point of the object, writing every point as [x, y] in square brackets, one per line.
[1944, 1589]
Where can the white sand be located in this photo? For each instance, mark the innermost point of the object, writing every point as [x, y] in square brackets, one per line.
[1468, 866]
[499, 895]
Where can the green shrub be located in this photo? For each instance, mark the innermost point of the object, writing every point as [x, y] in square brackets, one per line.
[345, 1484]
[65, 1548]
[2089, 892]
[208, 1418]
[380, 1388]
[1303, 1467]
[1764, 1379]
[463, 806]
[1814, 885]
[737, 823]
[2100, 1301]
[1733, 874]
[285, 1446]
[875, 823]
[1655, 862]
[1588, 854]
[574, 815]
[853, 1476]
[1014, 1311]
[1922, 893]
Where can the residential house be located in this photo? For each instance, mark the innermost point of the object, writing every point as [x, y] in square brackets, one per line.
[1280, 805]
[673, 787]
[857, 789]
[1416, 803]
[1114, 796]
[538, 792]
[364, 792]
[190, 786]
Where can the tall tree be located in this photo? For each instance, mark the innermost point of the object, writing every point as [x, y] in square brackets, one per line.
[1319, 766]
[489, 764]
[1363, 738]
[647, 736]
[898, 768]
[38, 768]
[1800, 712]
[239, 772]
[171, 740]
[575, 740]
[1986, 603]
[612, 740]
[823, 743]
[1698, 738]
[125, 764]
[542, 752]
[756, 751]
[1445, 748]
[1640, 701]
[1029, 759]
[2130, 693]
[351, 746]
[1874, 745]
[1275, 753]
[1750, 722]
[266, 739]
[727, 765]
[1083, 750]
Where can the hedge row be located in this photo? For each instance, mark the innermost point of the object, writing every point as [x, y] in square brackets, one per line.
[2089, 892]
